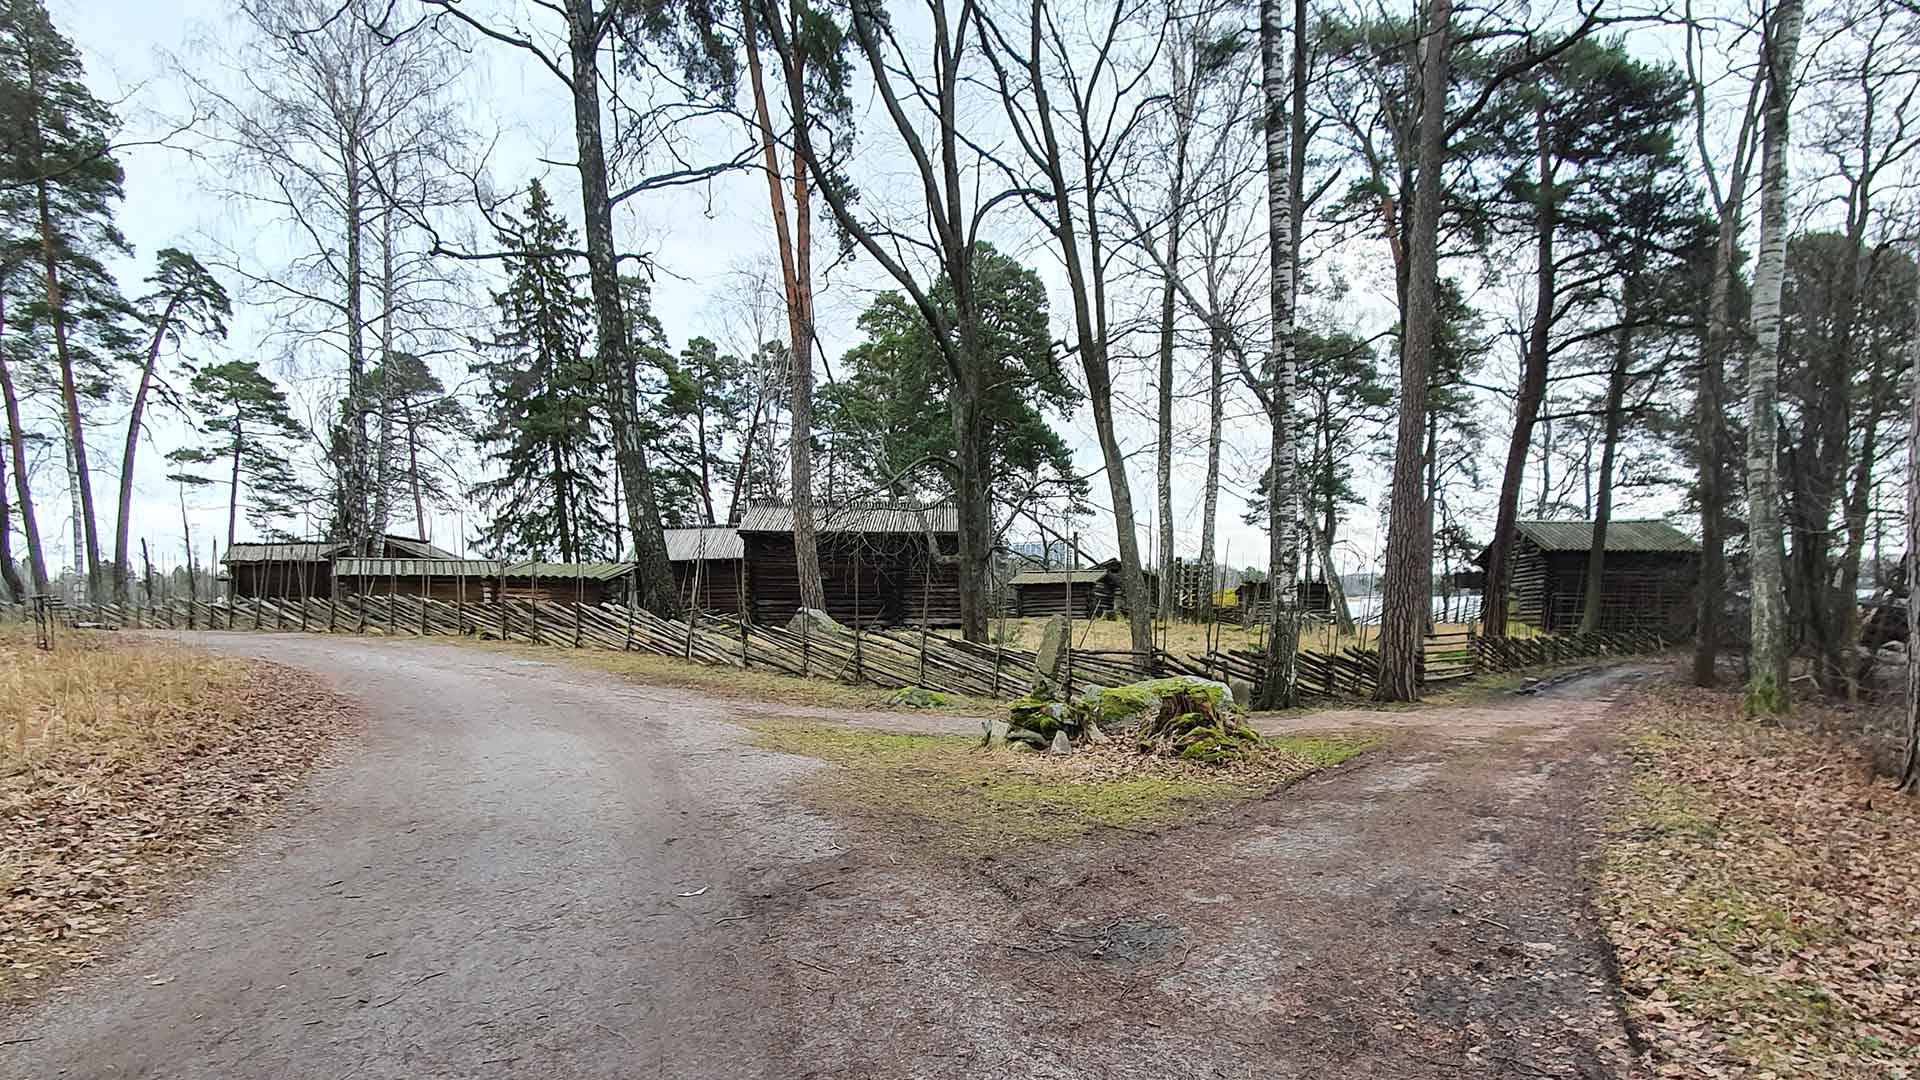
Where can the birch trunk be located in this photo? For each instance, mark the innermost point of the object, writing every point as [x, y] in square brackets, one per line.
[1176, 202]
[1282, 506]
[1767, 692]
[354, 489]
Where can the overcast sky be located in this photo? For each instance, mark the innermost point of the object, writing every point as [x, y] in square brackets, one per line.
[700, 239]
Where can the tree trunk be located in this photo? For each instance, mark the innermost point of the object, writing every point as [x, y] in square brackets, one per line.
[653, 573]
[17, 449]
[1533, 389]
[1909, 779]
[413, 479]
[358, 524]
[1403, 609]
[233, 489]
[1216, 417]
[123, 524]
[1603, 509]
[1767, 692]
[1710, 439]
[1283, 637]
[1176, 214]
[382, 512]
[16, 589]
[796, 279]
[87, 539]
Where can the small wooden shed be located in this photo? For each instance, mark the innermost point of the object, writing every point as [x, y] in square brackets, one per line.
[301, 569]
[880, 564]
[1647, 577]
[483, 580]
[709, 567]
[1311, 598]
[1082, 594]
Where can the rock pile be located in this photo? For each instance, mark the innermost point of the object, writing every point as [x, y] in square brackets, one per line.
[1186, 717]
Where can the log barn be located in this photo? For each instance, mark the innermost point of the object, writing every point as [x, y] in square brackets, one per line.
[709, 567]
[483, 580]
[1312, 598]
[1646, 580]
[880, 565]
[298, 569]
[1080, 594]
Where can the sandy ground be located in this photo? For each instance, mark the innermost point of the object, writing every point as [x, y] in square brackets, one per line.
[490, 884]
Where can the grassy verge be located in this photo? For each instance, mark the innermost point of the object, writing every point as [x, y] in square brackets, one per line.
[764, 686]
[123, 762]
[1762, 900]
[949, 789]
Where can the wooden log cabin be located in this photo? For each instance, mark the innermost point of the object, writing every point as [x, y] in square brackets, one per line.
[880, 565]
[483, 580]
[1310, 597]
[1647, 577]
[709, 567]
[1081, 594]
[301, 569]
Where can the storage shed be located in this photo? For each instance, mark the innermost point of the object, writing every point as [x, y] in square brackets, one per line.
[713, 557]
[1311, 598]
[483, 580]
[1647, 578]
[880, 564]
[299, 569]
[1082, 594]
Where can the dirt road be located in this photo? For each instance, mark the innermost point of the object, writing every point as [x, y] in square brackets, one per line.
[489, 885]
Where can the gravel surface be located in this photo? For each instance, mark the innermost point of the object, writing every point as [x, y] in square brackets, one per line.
[488, 885]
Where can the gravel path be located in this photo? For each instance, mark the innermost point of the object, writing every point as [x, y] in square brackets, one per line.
[487, 885]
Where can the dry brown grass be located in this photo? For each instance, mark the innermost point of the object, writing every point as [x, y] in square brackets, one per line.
[125, 763]
[94, 704]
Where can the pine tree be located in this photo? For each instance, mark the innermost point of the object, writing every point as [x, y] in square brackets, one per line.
[424, 415]
[548, 437]
[59, 182]
[249, 428]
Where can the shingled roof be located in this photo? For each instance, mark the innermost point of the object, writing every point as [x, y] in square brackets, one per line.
[1650, 534]
[708, 542]
[855, 519]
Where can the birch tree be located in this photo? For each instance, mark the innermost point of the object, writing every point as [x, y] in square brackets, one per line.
[1767, 689]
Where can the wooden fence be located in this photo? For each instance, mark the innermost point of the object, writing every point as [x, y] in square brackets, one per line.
[885, 658]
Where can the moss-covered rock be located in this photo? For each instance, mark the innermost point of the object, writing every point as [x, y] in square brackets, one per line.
[1039, 715]
[917, 698]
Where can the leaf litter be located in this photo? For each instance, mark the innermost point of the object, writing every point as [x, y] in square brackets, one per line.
[125, 764]
[1762, 899]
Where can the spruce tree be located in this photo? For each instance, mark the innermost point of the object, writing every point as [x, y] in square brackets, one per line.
[547, 438]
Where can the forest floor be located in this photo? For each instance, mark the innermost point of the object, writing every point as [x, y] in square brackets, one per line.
[126, 765]
[1757, 885]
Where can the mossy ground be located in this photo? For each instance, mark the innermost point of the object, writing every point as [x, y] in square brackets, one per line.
[948, 788]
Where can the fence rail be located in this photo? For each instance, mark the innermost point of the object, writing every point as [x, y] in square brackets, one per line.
[889, 659]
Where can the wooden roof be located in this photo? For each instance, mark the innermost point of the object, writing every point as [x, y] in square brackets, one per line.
[864, 518]
[1650, 534]
[709, 542]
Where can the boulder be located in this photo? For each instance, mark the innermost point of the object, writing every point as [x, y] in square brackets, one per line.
[1242, 692]
[1037, 715]
[1094, 734]
[915, 697]
[820, 620]
[1062, 746]
[996, 732]
[1053, 649]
